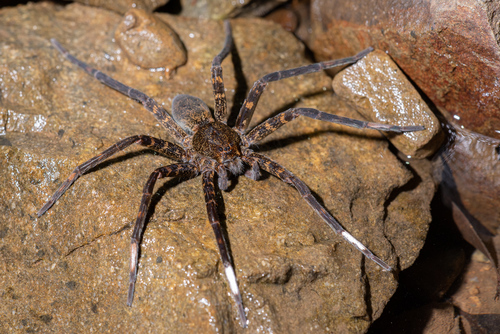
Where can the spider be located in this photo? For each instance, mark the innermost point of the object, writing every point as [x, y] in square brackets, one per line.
[206, 145]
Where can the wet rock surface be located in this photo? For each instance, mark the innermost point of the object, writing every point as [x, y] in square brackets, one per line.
[468, 168]
[149, 42]
[377, 88]
[122, 6]
[69, 268]
[223, 9]
[449, 49]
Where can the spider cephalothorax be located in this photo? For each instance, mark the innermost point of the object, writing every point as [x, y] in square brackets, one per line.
[208, 146]
[216, 144]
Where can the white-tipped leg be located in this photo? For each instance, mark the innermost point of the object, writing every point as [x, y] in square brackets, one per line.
[233, 285]
[353, 241]
[134, 254]
[209, 189]
[286, 176]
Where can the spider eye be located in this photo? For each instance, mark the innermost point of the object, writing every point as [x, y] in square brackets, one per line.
[221, 149]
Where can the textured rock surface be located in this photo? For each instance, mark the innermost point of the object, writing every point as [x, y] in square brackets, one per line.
[122, 6]
[468, 168]
[377, 88]
[222, 9]
[149, 42]
[69, 268]
[474, 295]
[448, 48]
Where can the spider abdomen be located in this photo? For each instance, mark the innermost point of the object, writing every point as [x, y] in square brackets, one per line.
[218, 141]
[190, 112]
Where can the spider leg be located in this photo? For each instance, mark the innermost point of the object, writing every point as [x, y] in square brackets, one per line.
[272, 124]
[286, 176]
[172, 170]
[151, 105]
[209, 189]
[217, 81]
[170, 150]
[253, 172]
[248, 107]
[222, 177]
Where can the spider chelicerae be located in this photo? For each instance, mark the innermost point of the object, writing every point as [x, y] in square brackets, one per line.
[206, 145]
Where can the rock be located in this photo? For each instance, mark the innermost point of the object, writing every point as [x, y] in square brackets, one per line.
[476, 291]
[293, 17]
[122, 6]
[411, 221]
[379, 91]
[447, 48]
[468, 169]
[149, 42]
[428, 319]
[69, 268]
[219, 10]
[285, 17]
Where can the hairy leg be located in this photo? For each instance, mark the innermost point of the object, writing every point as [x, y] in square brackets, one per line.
[274, 123]
[160, 114]
[217, 80]
[286, 176]
[213, 217]
[170, 150]
[248, 107]
[167, 171]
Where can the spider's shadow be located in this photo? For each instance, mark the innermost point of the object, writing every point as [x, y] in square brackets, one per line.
[171, 183]
[286, 141]
[168, 185]
[241, 89]
[272, 144]
[129, 155]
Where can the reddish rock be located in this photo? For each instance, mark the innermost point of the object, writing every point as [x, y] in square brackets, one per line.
[447, 48]
[477, 289]
[284, 17]
[468, 169]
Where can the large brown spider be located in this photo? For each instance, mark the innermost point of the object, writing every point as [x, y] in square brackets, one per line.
[207, 146]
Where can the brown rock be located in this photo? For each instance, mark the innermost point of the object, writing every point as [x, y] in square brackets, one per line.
[69, 268]
[379, 91]
[406, 222]
[477, 288]
[149, 42]
[429, 319]
[447, 48]
[209, 9]
[122, 6]
[468, 169]
[284, 17]
[223, 9]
